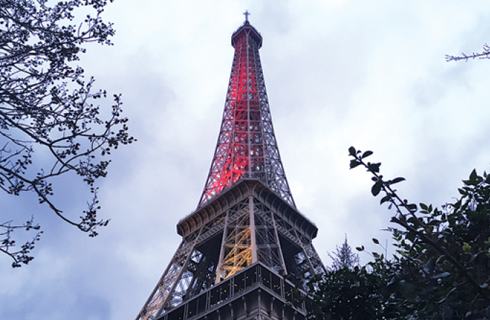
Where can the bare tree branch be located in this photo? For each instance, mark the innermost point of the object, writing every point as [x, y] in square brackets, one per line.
[485, 54]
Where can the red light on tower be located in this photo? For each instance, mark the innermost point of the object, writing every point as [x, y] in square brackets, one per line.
[246, 145]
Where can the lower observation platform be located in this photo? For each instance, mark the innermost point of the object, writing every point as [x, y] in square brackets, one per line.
[255, 293]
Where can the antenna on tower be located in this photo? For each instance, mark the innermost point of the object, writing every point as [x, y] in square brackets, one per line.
[246, 14]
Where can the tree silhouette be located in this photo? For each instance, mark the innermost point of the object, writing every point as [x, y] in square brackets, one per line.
[343, 257]
[50, 124]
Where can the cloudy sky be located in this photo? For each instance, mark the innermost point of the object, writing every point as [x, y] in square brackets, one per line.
[371, 74]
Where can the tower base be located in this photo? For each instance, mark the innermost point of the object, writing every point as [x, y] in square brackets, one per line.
[254, 293]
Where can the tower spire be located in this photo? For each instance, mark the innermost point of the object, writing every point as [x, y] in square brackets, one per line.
[246, 14]
[247, 146]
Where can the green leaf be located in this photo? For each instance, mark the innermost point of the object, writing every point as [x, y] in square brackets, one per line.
[487, 179]
[376, 188]
[412, 207]
[385, 199]
[352, 151]
[374, 167]
[367, 154]
[396, 180]
[375, 240]
[354, 163]
[473, 175]
[411, 236]
[473, 180]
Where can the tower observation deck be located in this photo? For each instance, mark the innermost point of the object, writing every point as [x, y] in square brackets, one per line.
[246, 234]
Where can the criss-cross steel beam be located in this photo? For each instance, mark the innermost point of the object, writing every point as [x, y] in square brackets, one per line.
[247, 146]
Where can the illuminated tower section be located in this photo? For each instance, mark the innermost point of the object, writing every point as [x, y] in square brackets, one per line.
[246, 145]
[246, 235]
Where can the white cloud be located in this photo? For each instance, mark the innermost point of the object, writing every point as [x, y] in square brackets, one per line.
[338, 73]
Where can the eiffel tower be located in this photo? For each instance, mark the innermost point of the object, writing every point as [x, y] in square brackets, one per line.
[246, 235]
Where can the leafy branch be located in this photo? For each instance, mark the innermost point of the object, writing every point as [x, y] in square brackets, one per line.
[423, 230]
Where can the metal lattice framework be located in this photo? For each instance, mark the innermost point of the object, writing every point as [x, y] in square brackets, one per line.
[246, 145]
[246, 231]
[251, 225]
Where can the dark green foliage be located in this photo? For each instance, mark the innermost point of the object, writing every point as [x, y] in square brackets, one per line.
[48, 108]
[443, 261]
[354, 294]
[442, 266]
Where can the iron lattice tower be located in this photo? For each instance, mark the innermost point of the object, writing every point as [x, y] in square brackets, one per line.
[246, 234]
[246, 145]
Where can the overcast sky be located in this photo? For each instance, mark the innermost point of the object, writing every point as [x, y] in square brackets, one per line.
[371, 74]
